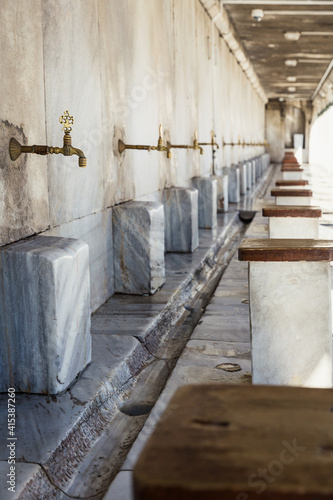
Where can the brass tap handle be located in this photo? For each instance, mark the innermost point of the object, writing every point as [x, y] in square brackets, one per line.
[66, 120]
[160, 139]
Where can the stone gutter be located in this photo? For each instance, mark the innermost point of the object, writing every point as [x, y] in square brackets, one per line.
[56, 433]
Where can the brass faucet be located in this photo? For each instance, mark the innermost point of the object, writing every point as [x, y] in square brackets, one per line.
[195, 145]
[160, 146]
[212, 142]
[253, 144]
[16, 149]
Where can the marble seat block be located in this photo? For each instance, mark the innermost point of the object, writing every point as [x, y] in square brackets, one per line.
[292, 175]
[138, 247]
[292, 196]
[243, 178]
[181, 219]
[293, 221]
[290, 311]
[253, 171]
[45, 339]
[234, 184]
[248, 175]
[257, 168]
[207, 201]
[222, 191]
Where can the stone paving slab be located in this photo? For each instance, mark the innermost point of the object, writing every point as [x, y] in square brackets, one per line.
[22, 471]
[121, 487]
[56, 433]
[222, 335]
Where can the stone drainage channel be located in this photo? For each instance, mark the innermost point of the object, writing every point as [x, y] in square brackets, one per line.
[74, 445]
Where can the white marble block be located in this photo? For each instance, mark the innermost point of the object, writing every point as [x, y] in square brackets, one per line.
[293, 227]
[138, 247]
[290, 312]
[222, 191]
[207, 201]
[253, 171]
[45, 339]
[257, 168]
[292, 196]
[290, 222]
[234, 184]
[243, 178]
[293, 200]
[181, 219]
[292, 175]
[249, 174]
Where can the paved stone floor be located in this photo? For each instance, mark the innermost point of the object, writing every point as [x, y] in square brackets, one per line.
[70, 445]
[222, 336]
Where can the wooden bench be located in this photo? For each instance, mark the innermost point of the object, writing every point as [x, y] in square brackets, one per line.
[290, 310]
[292, 196]
[286, 221]
[229, 442]
[295, 184]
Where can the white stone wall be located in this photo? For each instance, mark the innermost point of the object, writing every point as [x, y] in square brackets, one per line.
[321, 146]
[121, 68]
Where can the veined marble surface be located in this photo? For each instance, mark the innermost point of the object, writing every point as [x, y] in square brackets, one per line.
[207, 201]
[74, 430]
[293, 200]
[293, 227]
[249, 174]
[291, 326]
[234, 184]
[223, 191]
[44, 314]
[243, 178]
[138, 247]
[292, 176]
[253, 171]
[181, 219]
[95, 230]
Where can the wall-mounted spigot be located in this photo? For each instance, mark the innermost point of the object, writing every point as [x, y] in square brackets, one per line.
[212, 142]
[194, 146]
[251, 144]
[16, 149]
[160, 146]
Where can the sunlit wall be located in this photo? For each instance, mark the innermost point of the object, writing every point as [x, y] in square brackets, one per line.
[321, 139]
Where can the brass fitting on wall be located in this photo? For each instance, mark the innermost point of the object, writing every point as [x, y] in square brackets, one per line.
[16, 149]
[212, 142]
[252, 144]
[160, 146]
[181, 146]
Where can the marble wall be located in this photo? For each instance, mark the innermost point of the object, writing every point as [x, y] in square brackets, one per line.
[121, 69]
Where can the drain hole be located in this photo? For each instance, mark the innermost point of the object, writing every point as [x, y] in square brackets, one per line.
[229, 367]
[136, 409]
[210, 423]
[246, 215]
